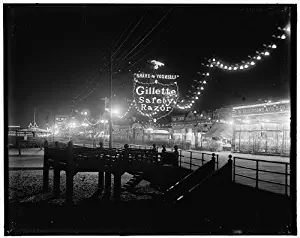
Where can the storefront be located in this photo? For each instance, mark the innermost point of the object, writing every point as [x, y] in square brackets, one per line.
[187, 131]
[262, 128]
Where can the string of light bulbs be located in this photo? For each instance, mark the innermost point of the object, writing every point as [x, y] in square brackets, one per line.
[225, 66]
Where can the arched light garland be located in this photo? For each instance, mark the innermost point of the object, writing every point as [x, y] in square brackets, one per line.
[244, 65]
[129, 108]
[150, 115]
[94, 124]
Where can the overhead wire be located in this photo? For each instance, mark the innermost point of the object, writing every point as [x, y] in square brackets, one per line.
[147, 34]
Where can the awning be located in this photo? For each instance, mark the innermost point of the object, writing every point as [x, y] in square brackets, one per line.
[220, 130]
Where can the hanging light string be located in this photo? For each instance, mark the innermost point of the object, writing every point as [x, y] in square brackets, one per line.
[129, 108]
[212, 63]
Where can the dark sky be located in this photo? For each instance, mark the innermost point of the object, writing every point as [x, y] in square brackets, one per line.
[53, 51]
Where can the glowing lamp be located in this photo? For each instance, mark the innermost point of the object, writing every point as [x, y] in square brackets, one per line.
[221, 65]
[204, 82]
[214, 59]
[274, 46]
[267, 53]
[229, 68]
[207, 74]
[218, 62]
[193, 101]
[283, 37]
[235, 68]
[258, 57]
[246, 66]
[195, 112]
[202, 88]
[252, 63]
[241, 67]
[196, 97]
[198, 93]
[211, 65]
[288, 29]
[225, 67]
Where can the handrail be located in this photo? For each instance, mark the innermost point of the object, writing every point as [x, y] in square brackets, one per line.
[286, 174]
[260, 160]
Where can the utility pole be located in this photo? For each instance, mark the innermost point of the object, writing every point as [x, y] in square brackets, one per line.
[110, 100]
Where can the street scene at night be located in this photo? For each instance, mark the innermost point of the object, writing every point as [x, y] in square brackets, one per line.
[150, 119]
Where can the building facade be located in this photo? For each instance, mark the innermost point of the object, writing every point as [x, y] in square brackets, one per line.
[262, 128]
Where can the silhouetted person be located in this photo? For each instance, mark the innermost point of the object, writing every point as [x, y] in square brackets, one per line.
[154, 149]
[163, 149]
[101, 145]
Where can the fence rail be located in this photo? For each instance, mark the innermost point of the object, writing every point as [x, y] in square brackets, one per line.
[257, 170]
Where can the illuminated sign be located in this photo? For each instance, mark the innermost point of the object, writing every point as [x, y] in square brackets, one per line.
[155, 100]
[155, 76]
[261, 109]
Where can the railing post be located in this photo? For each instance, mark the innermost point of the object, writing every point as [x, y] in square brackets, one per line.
[286, 179]
[70, 173]
[180, 157]
[202, 158]
[256, 173]
[230, 169]
[191, 157]
[233, 169]
[46, 168]
[214, 161]
[218, 161]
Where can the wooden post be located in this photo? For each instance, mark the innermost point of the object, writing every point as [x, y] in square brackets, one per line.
[107, 183]
[180, 156]
[202, 158]
[230, 169]
[117, 185]
[100, 180]
[56, 179]
[70, 173]
[45, 168]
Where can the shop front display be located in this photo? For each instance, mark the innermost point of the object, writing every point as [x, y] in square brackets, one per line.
[262, 131]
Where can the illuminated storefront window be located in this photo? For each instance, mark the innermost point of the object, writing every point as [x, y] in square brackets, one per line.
[262, 128]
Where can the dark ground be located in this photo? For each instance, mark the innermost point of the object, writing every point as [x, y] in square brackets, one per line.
[238, 210]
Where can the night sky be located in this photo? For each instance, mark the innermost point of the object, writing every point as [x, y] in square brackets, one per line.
[54, 51]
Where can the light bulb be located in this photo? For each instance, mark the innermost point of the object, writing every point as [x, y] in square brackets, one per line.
[267, 53]
[235, 68]
[196, 97]
[288, 29]
[283, 37]
[225, 67]
[229, 68]
[211, 65]
[246, 66]
[204, 82]
[207, 74]
[221, 65]
[202, 88]
[214, 59]
[218, 62]
[198, 93]
[242, 67]
[252, 63]
[258, 57]
[274, 46]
